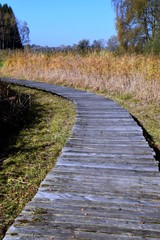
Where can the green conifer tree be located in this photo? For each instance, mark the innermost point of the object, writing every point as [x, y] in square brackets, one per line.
[9, 34]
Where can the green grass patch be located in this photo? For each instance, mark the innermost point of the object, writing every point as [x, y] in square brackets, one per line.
[33, 153]
[1, 63]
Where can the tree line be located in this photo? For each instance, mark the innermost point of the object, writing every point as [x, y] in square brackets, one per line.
[138, 25]
[13, 34]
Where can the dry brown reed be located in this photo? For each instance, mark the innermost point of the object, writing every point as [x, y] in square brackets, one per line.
[131, 80]
[136, 75]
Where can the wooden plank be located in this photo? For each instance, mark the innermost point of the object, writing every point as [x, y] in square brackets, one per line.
[105, 184]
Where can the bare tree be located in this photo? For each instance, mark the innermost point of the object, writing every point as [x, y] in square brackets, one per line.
[112, 43]
[24, 32]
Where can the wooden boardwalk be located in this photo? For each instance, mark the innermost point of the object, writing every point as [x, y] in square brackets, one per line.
[106, 184]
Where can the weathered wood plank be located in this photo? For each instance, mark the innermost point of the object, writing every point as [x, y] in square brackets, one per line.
[105, 184]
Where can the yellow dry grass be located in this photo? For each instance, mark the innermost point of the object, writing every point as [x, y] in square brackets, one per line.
[136, 75]
[132, 80]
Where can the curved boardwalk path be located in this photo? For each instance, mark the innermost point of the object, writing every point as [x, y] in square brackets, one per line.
[106, 183]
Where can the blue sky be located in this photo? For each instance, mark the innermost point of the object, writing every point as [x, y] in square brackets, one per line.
[65, 22]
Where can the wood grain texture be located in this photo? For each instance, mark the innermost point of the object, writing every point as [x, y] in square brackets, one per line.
[106, 184]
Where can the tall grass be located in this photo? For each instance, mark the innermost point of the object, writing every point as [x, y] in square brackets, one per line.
[136, 75]
[132, 80]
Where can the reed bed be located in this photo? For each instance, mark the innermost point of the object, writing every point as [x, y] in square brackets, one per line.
[131, 80]
[106, 72]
